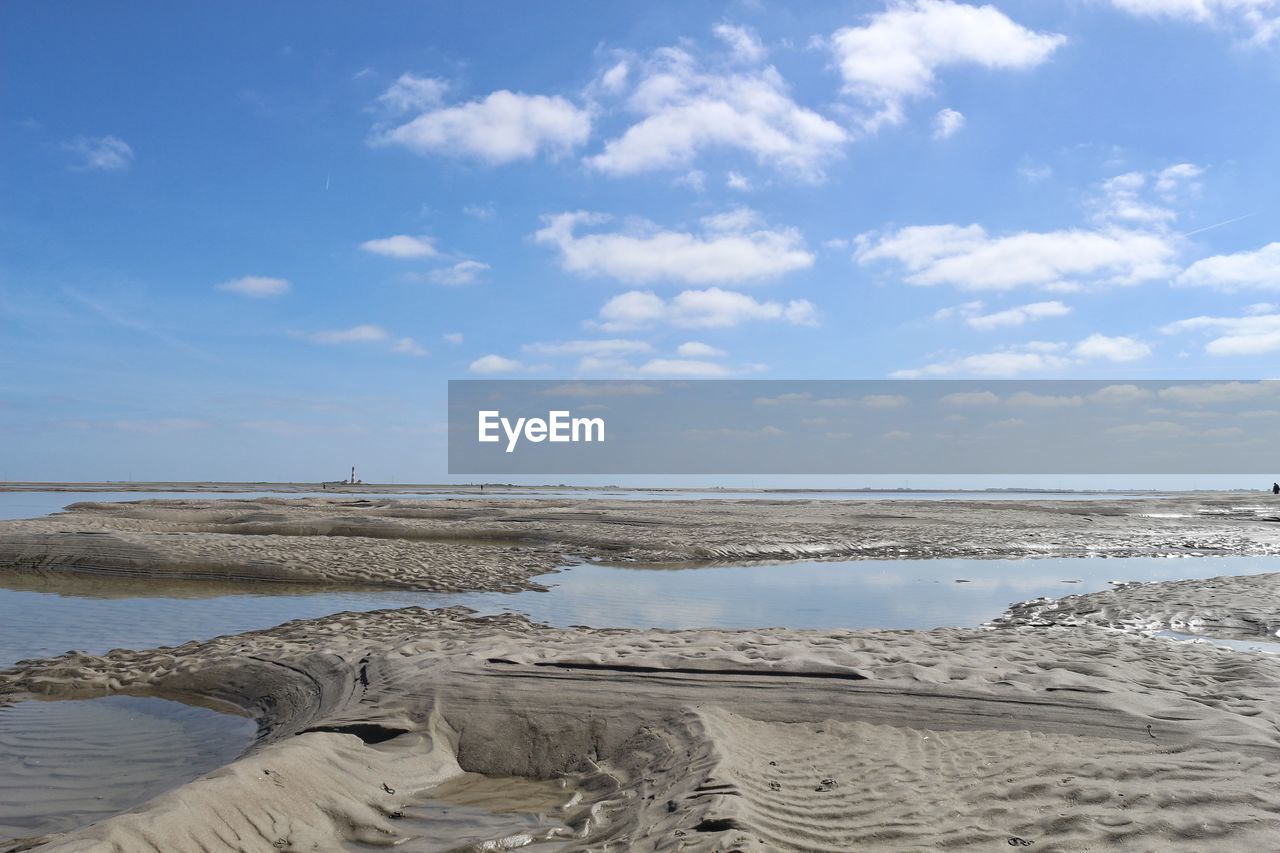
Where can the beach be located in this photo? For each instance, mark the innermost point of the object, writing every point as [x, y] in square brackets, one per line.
[1059, 725]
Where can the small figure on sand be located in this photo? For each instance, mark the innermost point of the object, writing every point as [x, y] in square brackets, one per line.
[1275, 488]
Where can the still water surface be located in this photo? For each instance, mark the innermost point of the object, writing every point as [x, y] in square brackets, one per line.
[40, 617]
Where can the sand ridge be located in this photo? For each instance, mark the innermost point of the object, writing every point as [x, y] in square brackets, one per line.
[502, 545]
[1066, 737]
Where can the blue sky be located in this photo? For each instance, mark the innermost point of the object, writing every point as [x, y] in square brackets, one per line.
[254, 241]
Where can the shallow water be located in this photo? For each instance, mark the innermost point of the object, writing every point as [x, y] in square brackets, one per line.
[45, 617]
[477, 813]
[64, 764]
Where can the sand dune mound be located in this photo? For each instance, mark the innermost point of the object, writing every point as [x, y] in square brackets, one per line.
[1067, 738]
[1243, 607]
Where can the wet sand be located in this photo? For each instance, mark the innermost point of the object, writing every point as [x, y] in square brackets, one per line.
[1065, 735]
[502, 545]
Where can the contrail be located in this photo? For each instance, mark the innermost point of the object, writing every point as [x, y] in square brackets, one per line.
[1218, 224]
[328, 175]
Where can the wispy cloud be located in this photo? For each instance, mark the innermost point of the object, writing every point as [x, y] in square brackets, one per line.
[100, 153]
[256, 286]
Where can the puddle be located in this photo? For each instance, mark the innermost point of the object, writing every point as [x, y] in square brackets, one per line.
[65, 764]
[42, 617]
[1270, 647]
[478, 813]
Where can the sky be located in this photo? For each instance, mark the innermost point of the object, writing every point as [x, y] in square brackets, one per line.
[254, 241]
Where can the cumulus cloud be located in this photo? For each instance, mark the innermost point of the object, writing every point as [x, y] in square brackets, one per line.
[896, 55]
[742, 42]
[730, 247]
[502, 127]
[401, 246]
[1258, 269]
[697, 349]
[967, 257]
[257, 286]
[1017, 316]
[1004, 362]
[365, 333]
[1142, 199]
[1252, 334]
[410, 93]
[947, 123]
[597, 348]
[682, 367]
[494, 364]
[710, 308]
[685, 108]
[463, 272]
[101, 153]
[408, 346]
[1032, 357]
[1111, 348]
[1258, 19]
[454, 338]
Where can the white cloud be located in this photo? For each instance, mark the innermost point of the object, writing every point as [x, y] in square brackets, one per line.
[1121, 394]
[731, 247]
[897, 54]
[884, 401]
[1179, 177]
[947, 123]
[494, 364]
[685, 109]
[1026, 399]
[410, 93]
[1252, 334]
[480, 211]
[971, 398]
[970, 259]
[256, 286]
[365, 333]
[463, 272]
[742, 42]
[1111, 349]
[706, 309]
[697, 349]
[408, 346]
[501, 128]
[401, 246]
[694, 179]
[1257, 269]
[614, 80]
[1017, 316]
[1006, 362]
[682, 367]
[1260, 19]
[101, 153]
[158, 425]
[454, 338]
[597, 348]
[734, 181]
[1032, 357]
[1035, 174]
[1219, 392]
